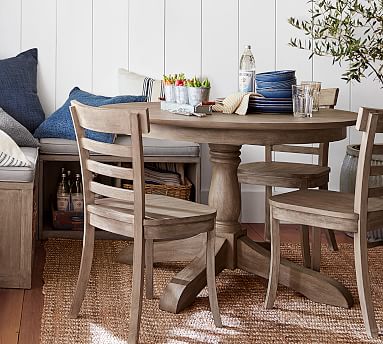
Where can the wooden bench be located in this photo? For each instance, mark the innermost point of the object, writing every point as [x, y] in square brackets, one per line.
[18, 213]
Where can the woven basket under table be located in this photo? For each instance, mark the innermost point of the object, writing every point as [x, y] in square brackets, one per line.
[177, 191]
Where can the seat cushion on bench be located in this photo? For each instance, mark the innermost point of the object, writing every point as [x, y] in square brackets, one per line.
[152, 147]
[156, 147]
[21, 174]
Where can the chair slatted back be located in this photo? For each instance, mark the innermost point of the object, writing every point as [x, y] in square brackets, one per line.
[116, 120]
[327, 99]
[370, 122]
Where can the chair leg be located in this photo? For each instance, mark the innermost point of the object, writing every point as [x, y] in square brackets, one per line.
[210, 276]
[149, 268]
[274, 264]
[330, 235]
[315, 248]
[305, 246]
[137, 290]
[84, 273]
[331, 240]
[268, 194]
[363, 283]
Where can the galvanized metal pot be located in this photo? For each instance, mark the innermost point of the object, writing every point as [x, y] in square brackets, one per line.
[348, 177]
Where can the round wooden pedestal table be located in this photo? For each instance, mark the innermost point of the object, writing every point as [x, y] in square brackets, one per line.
[225, 135]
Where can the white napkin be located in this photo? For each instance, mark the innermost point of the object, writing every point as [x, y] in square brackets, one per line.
[235, 103]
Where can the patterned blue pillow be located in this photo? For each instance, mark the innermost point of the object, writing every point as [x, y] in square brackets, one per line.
[59, 124]
[18, 90]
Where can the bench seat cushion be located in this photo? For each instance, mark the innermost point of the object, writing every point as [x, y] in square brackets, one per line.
[21, 174]
[152, 147]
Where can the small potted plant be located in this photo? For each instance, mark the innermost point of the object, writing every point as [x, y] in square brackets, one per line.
[198, 91]
[169, 81]
[349, 31]
[180, 88]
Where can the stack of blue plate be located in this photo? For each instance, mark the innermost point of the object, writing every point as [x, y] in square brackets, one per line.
[276, 88]
[271, 105]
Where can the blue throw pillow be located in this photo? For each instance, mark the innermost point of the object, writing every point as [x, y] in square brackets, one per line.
[18, 90]
[59, 124]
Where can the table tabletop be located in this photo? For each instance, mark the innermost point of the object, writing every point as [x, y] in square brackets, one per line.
[326, 125]
[324, 118]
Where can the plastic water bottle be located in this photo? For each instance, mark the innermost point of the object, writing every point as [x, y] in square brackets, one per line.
[247, 71]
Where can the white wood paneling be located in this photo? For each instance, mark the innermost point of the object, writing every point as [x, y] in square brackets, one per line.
[292, 58]
[10, 28]
[74, 47]
[83, 43]
[42, 34]
[366, 93]
[146, 37]
[257, 28]
[220, 45]
[330, 75]
[110, 41]
[288, 57]
[219, 56]
[183, 37]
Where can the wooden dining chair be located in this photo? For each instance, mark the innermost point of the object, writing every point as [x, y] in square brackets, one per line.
[339, 211]
[295, 175]
[131, 213]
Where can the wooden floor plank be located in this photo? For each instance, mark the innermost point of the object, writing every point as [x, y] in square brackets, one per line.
[11, 302]
[33, 302]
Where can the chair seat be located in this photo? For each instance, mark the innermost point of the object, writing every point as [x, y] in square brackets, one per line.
[161, 213]
[283, 174]
[331, 204]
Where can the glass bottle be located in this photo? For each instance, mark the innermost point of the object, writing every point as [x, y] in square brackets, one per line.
[77, 195]
[247, 71]
[63, 195]
[69, 178]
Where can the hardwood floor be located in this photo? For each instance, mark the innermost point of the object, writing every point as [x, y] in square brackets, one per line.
[20, 310]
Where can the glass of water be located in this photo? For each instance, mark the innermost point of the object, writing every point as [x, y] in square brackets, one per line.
[302, 101]
[316, 87]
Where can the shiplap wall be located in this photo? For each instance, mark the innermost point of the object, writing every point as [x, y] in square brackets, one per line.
[83, 43]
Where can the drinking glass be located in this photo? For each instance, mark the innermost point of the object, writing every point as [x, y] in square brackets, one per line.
[302, 101]
[316, 87]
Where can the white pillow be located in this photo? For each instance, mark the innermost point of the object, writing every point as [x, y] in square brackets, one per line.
[10, 153]
[139, 85]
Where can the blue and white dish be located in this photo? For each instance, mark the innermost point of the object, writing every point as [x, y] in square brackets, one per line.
[277, 84]
[271, 101]
[270, 110]
[278, 75]
[275, 93]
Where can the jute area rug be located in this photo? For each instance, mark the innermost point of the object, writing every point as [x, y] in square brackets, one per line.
[104, 317]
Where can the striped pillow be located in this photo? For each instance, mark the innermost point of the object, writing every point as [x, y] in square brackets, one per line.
[10, 153]
[140, 85]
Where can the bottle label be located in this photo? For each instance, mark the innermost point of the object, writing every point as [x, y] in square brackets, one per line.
[63, 202]
[78, 202]
[246, 81]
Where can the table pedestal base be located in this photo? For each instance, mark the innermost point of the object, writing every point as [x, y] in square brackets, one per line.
[233, 248]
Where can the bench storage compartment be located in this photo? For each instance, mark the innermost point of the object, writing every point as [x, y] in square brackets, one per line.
[18, 214]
